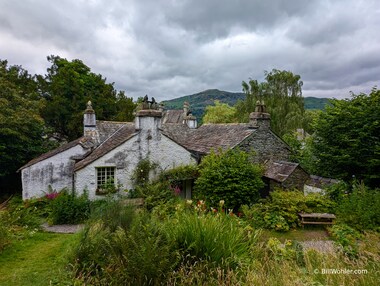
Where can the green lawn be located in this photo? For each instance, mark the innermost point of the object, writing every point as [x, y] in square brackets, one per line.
[38, 260]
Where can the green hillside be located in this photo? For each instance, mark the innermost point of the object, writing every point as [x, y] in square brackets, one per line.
[315, 102]
[199, 101]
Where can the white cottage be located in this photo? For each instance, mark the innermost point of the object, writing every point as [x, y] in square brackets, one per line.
[111, 150]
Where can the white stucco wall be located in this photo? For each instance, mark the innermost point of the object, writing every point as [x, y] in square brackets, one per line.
[312, 190]
[56, 171]
[148, 143]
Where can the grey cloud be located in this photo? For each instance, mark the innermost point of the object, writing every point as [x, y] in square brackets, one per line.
[213, 19]
[173, 48]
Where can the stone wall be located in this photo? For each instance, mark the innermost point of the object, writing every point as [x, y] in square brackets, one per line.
[56, 171]
[267, 146]
[296, 180]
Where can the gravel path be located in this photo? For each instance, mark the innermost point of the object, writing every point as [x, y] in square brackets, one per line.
[63, 228]
[325, 246]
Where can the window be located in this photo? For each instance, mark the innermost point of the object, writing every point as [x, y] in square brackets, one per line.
[105, 177]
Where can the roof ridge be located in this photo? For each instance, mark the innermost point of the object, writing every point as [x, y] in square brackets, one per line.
[119, 122]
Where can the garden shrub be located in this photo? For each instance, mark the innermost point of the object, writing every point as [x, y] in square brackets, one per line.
[346, 238]
[156, 194]
[68, 208]
[289, 250]
[228, 176]
[360, 208]
[24, 214]
[177, 175]
[280, 210]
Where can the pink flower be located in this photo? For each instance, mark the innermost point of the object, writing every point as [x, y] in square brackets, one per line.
[176, 190]
[52, 196]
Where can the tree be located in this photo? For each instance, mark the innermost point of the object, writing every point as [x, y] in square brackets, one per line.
[21, 127]
[125, 107]
[229, 176]
[220, 113]
[347, 139]
[68, 86]
[282, 94]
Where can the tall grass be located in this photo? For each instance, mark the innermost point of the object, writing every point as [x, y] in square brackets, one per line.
[267, 269]
[126, 246]
[123, 246]
[218, 239]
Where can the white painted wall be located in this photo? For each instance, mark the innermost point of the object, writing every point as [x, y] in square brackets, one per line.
[148, 143]
[55, 171]
[312, 190]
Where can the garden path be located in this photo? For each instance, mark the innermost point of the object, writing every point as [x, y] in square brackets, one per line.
[63, 228]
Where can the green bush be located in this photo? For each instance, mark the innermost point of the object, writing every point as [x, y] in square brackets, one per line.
[156, 193]
[68, 208]
[25, 214]
[346, 238]
[360, 208]
[280, 210]
[229, 176]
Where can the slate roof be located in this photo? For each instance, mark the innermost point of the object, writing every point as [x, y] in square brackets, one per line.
[208, 136]
[64, 147]
[172, 116]
[279, 170]
[120, 136]
[105, 129]
[320, 182]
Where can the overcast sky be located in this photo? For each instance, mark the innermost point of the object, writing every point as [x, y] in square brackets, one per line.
[171, 48]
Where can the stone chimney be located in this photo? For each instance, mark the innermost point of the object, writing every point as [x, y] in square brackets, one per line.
[89, 123]
[149, 116]
[260, 118]
[188, 118]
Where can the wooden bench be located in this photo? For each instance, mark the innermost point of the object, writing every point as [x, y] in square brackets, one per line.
[317, 218]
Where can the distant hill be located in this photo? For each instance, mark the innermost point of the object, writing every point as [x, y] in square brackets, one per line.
[315, 102]
[199, 101]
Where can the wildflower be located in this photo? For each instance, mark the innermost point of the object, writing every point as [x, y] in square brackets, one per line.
[221, 203]
[51, 196]
[176, 190]
[189, 202]
[178, 207]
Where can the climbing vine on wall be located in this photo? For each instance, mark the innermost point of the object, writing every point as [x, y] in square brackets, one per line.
[140, 176]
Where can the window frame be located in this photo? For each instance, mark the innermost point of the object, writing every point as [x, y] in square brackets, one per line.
[103, 173]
